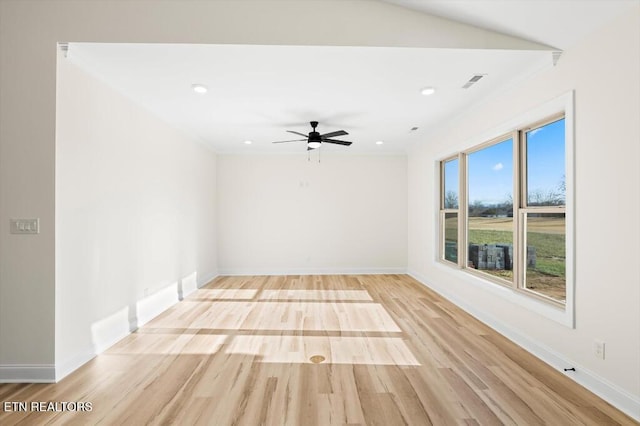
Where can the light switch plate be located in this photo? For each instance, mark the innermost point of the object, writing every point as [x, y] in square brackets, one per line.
[25, 226]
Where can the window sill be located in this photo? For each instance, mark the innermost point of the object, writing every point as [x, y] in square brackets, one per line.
[560, 314]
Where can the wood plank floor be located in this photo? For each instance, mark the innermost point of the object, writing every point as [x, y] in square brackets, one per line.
[238, 351]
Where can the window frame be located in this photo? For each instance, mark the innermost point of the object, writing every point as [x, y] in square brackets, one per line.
[443, 212]
[522, 270]
[550, 111]
[465, 211]
[524, 208]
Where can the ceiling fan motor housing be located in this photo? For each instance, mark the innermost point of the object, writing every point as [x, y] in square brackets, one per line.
[314, 137]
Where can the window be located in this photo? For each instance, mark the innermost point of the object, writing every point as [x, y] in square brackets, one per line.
[504, 201]
[490, 209]
[449, 209]
[542, 212]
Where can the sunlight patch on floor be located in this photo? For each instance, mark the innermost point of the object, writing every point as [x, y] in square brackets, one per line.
[361, 295]
[295, 315]
[169, 344]
[336, 350]
[224, 293]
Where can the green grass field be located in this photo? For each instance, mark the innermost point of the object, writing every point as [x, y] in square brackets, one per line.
[546, 235]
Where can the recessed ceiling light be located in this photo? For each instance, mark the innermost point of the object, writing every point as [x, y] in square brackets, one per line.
[248, 142]
[199, 88]
[379, 143]
[428, 91]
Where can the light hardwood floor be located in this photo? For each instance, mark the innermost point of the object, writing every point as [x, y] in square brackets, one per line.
[238, 351]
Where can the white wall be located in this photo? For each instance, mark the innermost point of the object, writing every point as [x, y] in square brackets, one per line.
[29, 31]
[135, 216]
[284, 214]
[604, 71]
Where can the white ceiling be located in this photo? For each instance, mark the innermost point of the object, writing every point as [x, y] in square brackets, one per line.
[557, 23]
[258, 92]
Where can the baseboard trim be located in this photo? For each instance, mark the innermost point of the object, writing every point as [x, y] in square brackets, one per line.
[63, 369]
[119, 327]
[27, 373]
[311, 271]
[619, 398]
[122, 323]
[155, 304]
[210, 277]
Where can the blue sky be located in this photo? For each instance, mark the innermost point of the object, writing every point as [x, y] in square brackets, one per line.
[491, 173]
[545, 157]
[451, 176]
[491, 169]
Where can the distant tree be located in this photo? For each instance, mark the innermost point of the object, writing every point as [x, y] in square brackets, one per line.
[552, 197]
[491, 211]
[450, 200]
[562, 186]
[476, 208]
[509, 199]
[506, 207]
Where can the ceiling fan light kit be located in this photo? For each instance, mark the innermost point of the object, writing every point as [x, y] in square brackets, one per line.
[428, 91]
[199, 88]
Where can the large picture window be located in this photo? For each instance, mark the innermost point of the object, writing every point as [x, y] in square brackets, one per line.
[504, 201]
[490, 209]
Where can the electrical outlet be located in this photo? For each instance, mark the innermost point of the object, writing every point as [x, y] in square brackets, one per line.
[598, 349]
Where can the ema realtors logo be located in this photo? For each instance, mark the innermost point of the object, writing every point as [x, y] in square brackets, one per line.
[46, 406]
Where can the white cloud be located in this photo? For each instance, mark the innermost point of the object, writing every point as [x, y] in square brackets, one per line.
[534, 131]
[498, 167]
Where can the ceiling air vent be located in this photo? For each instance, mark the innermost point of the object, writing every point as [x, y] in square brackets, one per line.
[473, 80]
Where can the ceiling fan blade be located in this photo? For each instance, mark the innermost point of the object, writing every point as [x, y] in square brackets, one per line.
[332, 134]
[337, 142]
[309, 148]
[298, 133]
[294, 140]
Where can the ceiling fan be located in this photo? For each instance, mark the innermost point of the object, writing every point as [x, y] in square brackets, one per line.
[315, 139]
